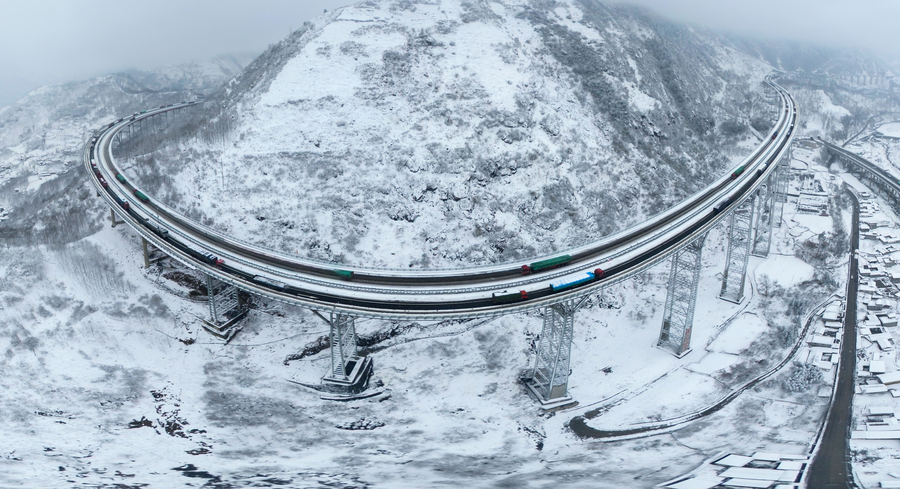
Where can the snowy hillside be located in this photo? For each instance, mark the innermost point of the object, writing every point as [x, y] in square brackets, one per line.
[42, 137]
[836, 108]
[432, 134]
[109, 379]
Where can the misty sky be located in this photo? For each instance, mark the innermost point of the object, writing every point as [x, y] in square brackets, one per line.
[870, 24]
[46, 41]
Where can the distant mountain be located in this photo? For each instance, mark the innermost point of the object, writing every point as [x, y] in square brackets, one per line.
[42, 136]
[795, 56]
[114, 95]
[838, 90]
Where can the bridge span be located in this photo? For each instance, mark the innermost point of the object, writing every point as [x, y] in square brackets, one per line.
[750, 197]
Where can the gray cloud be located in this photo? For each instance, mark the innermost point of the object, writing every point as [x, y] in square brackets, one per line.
[869, 24]
[45, 41]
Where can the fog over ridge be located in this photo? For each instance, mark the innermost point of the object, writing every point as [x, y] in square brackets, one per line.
[49, 41]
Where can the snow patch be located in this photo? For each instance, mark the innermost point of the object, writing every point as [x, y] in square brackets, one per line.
[786, 271]
[739, 334]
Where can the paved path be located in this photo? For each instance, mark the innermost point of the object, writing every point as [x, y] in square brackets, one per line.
[831, 466]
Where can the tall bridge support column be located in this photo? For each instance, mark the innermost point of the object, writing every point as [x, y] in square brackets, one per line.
[762, 238]
[681, 298]
[146, 252]
[349, 371]
[782, 177]
[738, 252]
[225, 309]
[550, 378]
[112, 217]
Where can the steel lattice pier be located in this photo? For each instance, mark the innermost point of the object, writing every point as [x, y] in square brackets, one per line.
[762, 240]
[350, 372]
[550, 377]
[223, 300]
[681, 298]
[782, 176]
[738, 251]
[343, 344]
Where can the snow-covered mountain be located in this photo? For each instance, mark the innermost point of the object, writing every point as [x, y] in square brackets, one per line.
[440, 133]
[43, 134]
[110, 381]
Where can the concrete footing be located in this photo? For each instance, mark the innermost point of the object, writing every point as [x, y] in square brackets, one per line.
[359, 371]
[674, 353]
[227, 330]
[554, 404]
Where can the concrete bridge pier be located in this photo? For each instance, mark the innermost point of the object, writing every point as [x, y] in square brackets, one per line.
[738, 251]
[550, 377]
[350, 373]
[681, 298]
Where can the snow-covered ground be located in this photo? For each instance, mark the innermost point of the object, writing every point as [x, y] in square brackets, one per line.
[110, 380]
[819, 115]
[891, 130]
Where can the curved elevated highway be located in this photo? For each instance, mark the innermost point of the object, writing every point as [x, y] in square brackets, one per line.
[880, 177]
[431, 294]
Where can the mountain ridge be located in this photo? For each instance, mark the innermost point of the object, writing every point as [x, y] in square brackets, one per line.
[473, 131]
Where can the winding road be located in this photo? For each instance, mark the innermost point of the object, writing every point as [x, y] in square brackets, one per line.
[430, 294]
